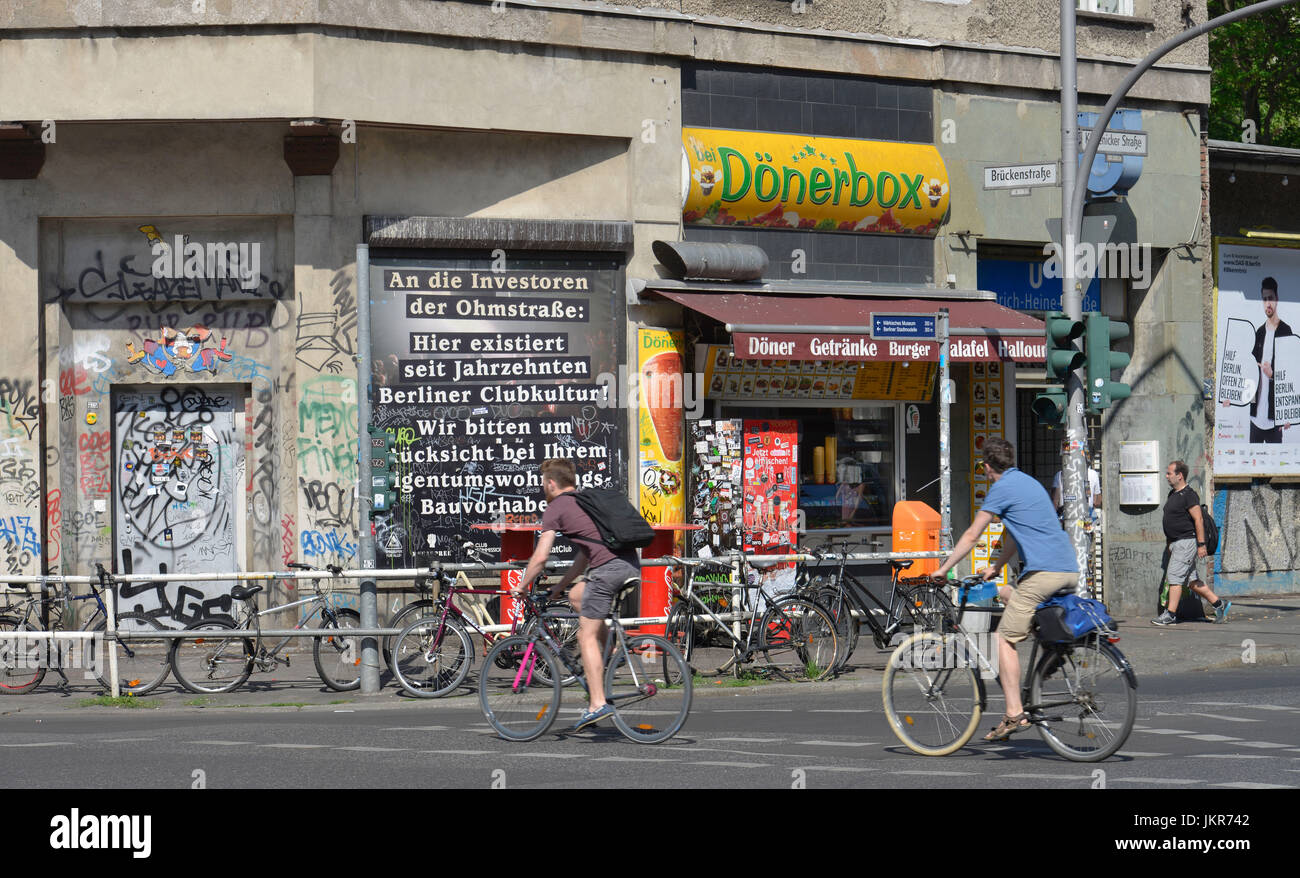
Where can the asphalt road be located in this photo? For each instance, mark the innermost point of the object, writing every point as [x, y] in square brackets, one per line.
[1230, 729]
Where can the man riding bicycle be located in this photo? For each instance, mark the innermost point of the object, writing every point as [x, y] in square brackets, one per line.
[1049, 564]
[597, 575]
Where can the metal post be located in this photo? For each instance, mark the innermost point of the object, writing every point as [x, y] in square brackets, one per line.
[110, 641]
[369, 590]
[945, 431]
[1073, 472]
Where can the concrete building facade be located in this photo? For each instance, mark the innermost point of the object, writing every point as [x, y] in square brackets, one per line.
[202, 417]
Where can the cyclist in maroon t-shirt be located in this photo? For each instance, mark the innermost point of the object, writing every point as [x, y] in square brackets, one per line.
[596, 574]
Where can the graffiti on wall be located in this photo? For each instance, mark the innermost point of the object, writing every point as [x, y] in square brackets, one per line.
[1258, 529]
[327, 465]
[180, 350]
[324, 341]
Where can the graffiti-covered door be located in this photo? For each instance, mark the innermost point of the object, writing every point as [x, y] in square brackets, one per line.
[179, 454]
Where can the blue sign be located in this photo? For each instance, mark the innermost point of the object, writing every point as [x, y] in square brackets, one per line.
[1021, 285]
[904, 326]
[1117, 176]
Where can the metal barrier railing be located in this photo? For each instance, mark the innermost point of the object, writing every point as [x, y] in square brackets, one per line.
[113, 635]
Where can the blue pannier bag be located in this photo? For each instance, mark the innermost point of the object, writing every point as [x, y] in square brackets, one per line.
[1071, 617]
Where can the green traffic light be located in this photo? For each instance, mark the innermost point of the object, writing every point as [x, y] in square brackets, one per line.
[1100, 332]
[1061, 356]
[1049, 406]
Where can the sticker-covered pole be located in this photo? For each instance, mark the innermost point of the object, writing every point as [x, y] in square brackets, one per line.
[365, 533]
[945, 436]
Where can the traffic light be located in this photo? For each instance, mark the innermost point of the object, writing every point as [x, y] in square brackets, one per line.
[383, 472]
[1099, 333]
[1061, 359]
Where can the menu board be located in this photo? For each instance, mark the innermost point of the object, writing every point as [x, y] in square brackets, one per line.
[987, 415]
[728, 377]
[771, 496]
[481, 372]
[716, 478]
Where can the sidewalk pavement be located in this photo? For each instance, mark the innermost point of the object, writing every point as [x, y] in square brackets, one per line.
[1259, 631]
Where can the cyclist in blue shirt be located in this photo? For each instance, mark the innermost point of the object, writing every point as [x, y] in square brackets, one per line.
[1032, 529]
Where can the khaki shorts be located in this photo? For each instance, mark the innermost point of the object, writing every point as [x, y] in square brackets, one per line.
[1029, 592]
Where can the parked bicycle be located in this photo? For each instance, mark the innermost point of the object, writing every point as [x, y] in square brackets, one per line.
[1081, 695]
[849, 601]
[222, 664]
[726, 626]
[142, 664]
[647, 681]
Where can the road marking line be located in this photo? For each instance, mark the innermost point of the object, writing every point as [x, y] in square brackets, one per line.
[375, 749]
[631, 759]
[1230, 719]
[458, 752]
[837, 768]
[745, 740]
[547, 755]
[297, 746]
[1247, 785]
[1230, 756]
[836, 743]
[1263, 745]
[844, 710]
[937, 773]
[1211, 738]
[41, 744]
[1176, 781]
[1050, 776]
[752, 710]
[415, 729]
[1140, 753]
[223, 743]
[1166, 731]
[732, 764]
[1235, 704]
[121, 740]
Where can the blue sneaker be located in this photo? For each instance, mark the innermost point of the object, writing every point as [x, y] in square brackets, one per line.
[1221, 614]
[591, 717]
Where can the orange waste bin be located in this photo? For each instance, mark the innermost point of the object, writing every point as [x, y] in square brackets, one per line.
[916, 529]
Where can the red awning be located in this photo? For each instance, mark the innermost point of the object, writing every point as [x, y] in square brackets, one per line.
[787, 323]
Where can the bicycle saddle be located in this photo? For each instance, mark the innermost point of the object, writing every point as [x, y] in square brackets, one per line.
[628, 584]
[242, 593]
[900, 565]
[760, 563]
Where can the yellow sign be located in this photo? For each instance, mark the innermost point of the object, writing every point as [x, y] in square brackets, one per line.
[791, 181]
[660, 401]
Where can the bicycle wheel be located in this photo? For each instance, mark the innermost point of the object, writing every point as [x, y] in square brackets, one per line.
[933, 696]
[142, 665]
[710, 651]
[405, 615]
[797, 640]
[209, 665]
[338, 658]
[931, 610]
[565, 633]
[22, 664]
[516, 701]
[649, 685]
[1088, 699]
[431, 656]
[832, 599]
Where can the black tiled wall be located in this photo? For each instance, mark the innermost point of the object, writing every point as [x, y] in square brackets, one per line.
[716, 96]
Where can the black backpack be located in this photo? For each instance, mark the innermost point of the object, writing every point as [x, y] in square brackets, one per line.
[620, 526]
[1211, 531]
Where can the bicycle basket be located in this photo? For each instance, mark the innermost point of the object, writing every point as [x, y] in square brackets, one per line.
[1071, 617]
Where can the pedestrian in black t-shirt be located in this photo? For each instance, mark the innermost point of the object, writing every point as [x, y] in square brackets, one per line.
[1185, 533]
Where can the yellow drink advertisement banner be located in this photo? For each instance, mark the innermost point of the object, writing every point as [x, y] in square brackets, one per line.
[792, 181]
[662, 465]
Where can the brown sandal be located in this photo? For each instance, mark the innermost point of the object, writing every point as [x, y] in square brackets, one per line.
[1008, 727]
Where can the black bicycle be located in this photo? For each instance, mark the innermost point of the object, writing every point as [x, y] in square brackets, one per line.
[907, 608]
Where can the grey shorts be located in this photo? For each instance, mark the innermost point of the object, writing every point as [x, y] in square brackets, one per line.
[603, 584]
[1182, 562]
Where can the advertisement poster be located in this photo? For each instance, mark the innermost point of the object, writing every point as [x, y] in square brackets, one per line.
[716, 467]
[481, 372]
[661, 447]
[1257, 360]
[771, 496]
[987, 413]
